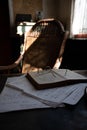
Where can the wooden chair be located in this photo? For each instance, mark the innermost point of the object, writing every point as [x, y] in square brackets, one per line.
[12, 68]
[43, 47]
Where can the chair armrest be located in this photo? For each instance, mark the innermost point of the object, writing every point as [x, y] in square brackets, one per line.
[11, 66]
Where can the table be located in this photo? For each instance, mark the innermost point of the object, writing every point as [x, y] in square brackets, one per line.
[68, 118]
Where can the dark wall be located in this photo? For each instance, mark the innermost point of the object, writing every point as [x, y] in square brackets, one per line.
[75, 55]
[5, 45]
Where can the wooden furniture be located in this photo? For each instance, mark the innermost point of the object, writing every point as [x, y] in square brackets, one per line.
[12, 68]
[43, 47]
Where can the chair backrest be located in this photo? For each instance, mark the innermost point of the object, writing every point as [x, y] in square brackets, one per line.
[44, 45]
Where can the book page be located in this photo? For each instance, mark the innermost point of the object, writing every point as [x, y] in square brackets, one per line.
[73, 98]
[12, 100]
[46, 76]
[68, 74]
[54, 76]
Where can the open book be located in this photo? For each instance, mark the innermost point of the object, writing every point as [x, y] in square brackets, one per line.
[54, 78]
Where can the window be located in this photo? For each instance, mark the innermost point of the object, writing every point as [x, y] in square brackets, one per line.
[79, 18]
